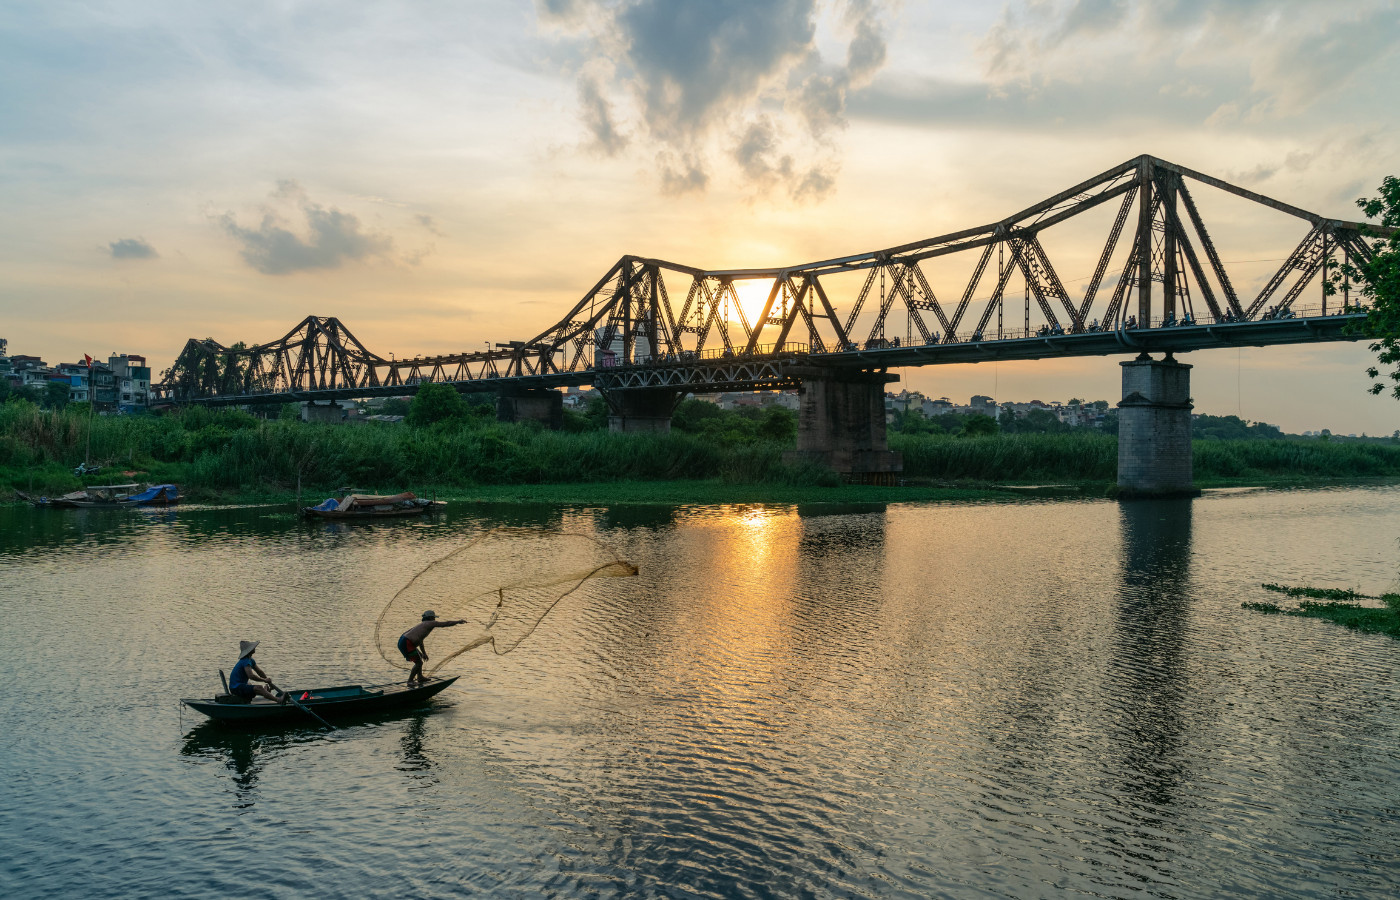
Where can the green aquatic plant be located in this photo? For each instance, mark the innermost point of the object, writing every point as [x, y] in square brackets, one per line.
[1337, 605]
[1341, 595]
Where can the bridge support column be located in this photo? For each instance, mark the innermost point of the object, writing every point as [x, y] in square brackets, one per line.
[642, 410]
[1154, 429]
[841, 424]
[315, 412]
[522, 405]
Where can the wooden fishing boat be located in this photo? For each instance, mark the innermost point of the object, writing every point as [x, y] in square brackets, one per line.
[372, 506]
[328, 703]
[110, 496]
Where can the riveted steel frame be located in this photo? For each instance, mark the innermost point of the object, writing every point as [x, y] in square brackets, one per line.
[626, 332]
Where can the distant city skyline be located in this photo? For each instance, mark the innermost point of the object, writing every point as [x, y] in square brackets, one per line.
[438, 177]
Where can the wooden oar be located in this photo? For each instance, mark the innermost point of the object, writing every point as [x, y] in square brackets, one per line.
[297, 704]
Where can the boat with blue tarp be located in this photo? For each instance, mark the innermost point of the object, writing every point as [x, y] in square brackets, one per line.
[110, 496]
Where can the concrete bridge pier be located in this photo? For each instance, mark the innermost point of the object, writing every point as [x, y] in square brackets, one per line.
[329, 412]
[841, 424]
[525, 405]
[1154, 429]
[642, 410]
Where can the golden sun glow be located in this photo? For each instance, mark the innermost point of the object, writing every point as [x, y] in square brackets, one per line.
[752, 295]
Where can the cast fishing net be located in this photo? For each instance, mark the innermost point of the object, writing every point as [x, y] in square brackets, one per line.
[503, 584]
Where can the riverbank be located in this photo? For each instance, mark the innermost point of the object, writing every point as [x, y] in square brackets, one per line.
[232, 457]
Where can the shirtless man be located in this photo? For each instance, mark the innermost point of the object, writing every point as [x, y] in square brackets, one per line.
[245, 671]
[411, 643]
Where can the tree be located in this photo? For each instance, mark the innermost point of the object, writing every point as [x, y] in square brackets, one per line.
[1379, 280]
[778, 424]
[55, 395]
[597, 413]
[978, 424]
[436, 403]
[394, 406]
[692, 414]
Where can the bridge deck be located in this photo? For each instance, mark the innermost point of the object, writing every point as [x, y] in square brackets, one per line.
[768, 371]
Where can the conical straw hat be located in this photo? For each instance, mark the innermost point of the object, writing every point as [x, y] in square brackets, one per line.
[246, 648]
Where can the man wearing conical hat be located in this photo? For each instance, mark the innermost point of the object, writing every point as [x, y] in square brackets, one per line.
[245, 671]
[411, 643]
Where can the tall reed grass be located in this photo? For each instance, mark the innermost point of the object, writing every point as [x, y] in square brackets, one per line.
[230, 452]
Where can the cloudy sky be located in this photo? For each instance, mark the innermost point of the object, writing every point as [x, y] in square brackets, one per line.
[439, 175]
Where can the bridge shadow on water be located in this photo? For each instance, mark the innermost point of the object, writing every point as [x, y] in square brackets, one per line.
[1149, 659]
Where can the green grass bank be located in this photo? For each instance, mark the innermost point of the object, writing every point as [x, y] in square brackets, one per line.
[228, 455]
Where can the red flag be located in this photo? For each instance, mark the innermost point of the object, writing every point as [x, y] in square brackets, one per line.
[88, 359]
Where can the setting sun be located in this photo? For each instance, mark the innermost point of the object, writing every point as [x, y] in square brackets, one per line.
[752, 295]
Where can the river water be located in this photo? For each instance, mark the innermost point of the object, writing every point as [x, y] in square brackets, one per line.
[1003, 699]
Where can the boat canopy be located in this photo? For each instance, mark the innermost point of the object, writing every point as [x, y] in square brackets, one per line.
[170, 491]
[369, 501]
[353, 502]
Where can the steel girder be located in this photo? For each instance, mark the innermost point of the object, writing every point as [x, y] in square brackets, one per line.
[627, 332]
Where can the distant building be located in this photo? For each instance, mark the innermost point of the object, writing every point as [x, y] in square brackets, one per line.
[133, 380]
[606, 355]
[574, 398]
[1020, 410]
[732, 400]
[103, 386]
[979, 405]
[76, 376]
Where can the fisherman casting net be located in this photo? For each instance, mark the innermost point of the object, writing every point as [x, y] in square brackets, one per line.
[503, 584]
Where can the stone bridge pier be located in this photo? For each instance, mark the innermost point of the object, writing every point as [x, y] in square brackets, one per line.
[642, 410]
[841, 424]
[524, 405]
[1154, 429]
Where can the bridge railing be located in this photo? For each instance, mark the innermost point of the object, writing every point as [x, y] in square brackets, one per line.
[1010, 334]
[786, 349]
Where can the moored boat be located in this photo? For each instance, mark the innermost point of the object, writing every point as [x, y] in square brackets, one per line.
[372, 506]
[110, 496]
[328, 703]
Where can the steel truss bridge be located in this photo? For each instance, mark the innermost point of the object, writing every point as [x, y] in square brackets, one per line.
[1160, 284]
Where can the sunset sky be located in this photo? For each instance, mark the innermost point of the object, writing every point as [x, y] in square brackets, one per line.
[439, 175]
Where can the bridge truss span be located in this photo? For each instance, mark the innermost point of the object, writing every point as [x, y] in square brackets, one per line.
[1140, 270]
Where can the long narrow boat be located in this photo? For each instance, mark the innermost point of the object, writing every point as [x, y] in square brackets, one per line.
[370, 506]
[329, 703]
[110, 496]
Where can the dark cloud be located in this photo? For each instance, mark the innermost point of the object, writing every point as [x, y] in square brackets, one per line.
[694, 62]
[695, 74]
[429, 223]
[755, 153]
[597, 117]
[563, 10]
[866, 53]
[1135, 98]
[1092, 17]
[332, 238]
[681, 174]
[1293, 52]
[760, 158]
[132, 248]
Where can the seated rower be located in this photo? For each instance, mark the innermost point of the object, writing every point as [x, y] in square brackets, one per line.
[411, 643]
[245, 671]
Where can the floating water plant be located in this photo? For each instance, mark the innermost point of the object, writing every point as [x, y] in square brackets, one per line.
[1337, 605]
